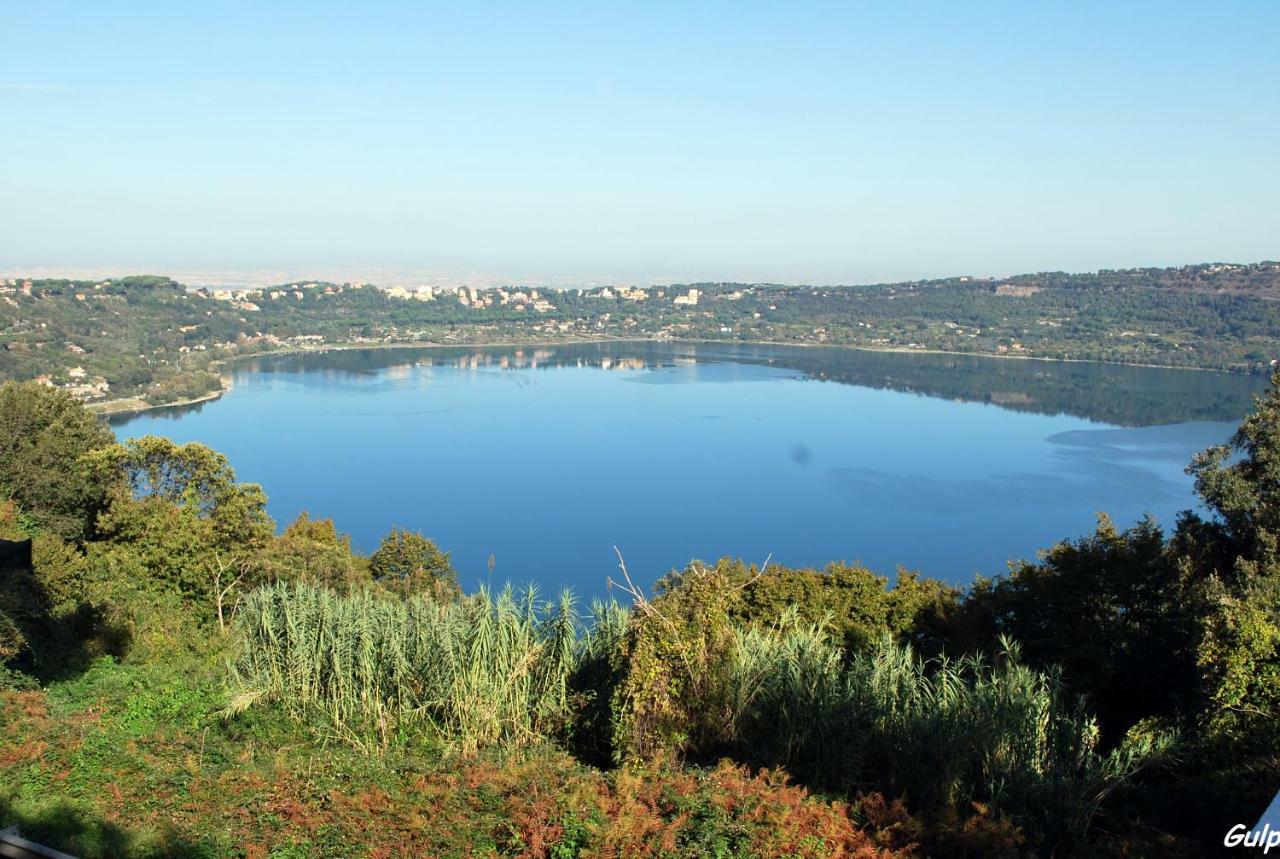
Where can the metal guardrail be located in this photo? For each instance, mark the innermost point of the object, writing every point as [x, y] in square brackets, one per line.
[14, 846]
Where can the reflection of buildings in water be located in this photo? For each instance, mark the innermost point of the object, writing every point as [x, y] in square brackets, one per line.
[1115, 394]
[520, 359]
[1011, 398]
[632, 363]
[399, 372]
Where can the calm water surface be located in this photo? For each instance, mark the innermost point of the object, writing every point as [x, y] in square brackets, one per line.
[546, 458]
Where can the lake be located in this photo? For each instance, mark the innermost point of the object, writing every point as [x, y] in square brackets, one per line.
[548, 457]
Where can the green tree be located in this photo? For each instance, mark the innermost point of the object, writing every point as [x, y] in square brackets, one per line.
[1111, 609]
[178, 518]
[47, 617]
[1236, 552]
[313, 550]
[44, 433]
[408, 563]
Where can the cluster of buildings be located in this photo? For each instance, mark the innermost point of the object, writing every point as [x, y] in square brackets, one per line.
[688, 299]
[79, 383]
[426, 293]
[14, 286]
[250, 298]
[519, 299]
[625, 292]
[476, 298]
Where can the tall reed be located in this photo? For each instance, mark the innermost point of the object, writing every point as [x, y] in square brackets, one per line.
[483, 670]
[943, 733]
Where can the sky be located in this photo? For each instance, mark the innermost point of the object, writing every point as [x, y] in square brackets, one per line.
[637, 142]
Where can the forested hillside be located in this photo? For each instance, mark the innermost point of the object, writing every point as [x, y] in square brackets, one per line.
[153, 339]
[180, 677]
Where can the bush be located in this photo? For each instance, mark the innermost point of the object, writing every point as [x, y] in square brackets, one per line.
[676, 655]
[313, 550]
[858, 605]
[1112, 609]
[408, 563]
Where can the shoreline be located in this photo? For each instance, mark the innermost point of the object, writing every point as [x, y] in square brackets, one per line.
[805, 345]
[138, 406]
[904, 350]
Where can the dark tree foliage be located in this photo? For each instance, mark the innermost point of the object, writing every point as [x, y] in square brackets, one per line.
[1239, 482]
[49, 626]
[1236, 552]
[44, 434]
[1111, 609]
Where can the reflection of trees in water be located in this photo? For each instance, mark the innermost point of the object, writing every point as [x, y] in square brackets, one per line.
[1118, 394]
[173, 412]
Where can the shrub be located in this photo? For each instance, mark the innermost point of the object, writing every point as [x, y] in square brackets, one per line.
[675, 655]
[858, 605]
[313, 550]
[1112, 609]
[408, 563]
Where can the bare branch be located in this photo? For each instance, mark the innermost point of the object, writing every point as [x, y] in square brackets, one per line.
[757, 574]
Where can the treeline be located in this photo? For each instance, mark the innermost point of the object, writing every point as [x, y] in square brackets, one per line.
[1081, 320]
[1119, 695]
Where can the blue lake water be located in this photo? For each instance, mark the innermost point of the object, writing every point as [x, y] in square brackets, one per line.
[546, 458]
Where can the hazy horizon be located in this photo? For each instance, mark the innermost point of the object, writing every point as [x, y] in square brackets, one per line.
[232, 277]
[564, 145]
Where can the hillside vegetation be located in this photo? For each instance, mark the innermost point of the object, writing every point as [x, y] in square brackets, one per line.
[151, 340]
[180, 677]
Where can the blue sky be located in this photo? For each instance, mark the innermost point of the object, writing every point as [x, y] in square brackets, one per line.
[639, 142]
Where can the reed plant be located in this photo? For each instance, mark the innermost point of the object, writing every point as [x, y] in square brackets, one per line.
[943, 733]
[484, 670]
[508, 669]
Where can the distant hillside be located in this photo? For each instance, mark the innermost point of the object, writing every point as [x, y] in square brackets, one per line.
[152, 339]
[1260, 280]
